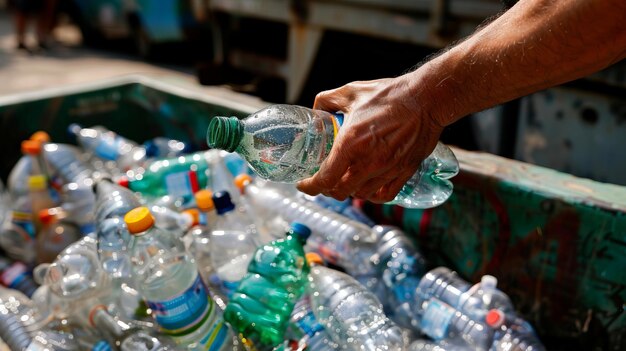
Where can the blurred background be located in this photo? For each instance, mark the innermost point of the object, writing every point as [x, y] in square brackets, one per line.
[286, 51]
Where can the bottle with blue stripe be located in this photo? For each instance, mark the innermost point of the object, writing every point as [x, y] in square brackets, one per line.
[167, 278]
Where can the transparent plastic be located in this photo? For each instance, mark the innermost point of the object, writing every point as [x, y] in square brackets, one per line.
[352, 315]
[287, 143]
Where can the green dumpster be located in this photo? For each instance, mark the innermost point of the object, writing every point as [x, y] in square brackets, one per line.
[556, 243]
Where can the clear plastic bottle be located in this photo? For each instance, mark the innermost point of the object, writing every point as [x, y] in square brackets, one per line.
[427, 345]
[112, 203]
[198, 238]
[13, 302]
[233, 242]
[512, 333]
[261, 307]
[167, 278]
[303, 326]
[79, 202]
[287, 143]
[401, 268]
[124, 335]
[164, 147]
[30, 164]
[342, 207]
[474, 301]
[55, 235]
[173, 221]
[39, 197]
[352, 315]
[18, 234]
[66, 164]
[441, 321]
[338, 239]
[109, 146]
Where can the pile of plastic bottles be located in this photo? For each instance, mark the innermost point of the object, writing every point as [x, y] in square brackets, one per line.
[113, 245]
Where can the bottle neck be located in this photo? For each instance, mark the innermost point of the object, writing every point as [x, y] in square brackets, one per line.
[225, 133]
[105, 321]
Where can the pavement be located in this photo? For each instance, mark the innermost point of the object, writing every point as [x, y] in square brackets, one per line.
[67, 62]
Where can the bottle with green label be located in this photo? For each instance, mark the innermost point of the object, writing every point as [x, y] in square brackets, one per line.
[178, 177]
[261, 307]
[287, 143]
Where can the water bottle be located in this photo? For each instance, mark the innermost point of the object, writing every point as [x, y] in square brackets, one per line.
[13, 332]
[39, 197]
[512, 333]
[55, 235]
[233, 242]
[352, 315]
[303, 326]
[109, 146]
[124, 335]
[178, 177]
[167, 278]
[16, 275]
[441, 321]
[112, 203]
[474, 301]
[172, 221]
[160, 147]
[339, 240]
[79, 202]
[13, 302]
[286, 143]
[427, 345]
[342, 207]
[17, 237]
[66, 164]
[29, 164]
[198, 238]
[260, 308]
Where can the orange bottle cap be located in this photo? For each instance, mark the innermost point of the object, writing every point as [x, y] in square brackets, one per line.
[314, 258]
[41, 137]
[241, 181]
[31, 147]
[204, 200]
[195, 215]
[46, 216]
[139, 220]
[494, 318]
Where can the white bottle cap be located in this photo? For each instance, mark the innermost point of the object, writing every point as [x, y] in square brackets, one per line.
[488, 282]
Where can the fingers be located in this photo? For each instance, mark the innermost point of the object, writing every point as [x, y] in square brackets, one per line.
[389, 191]
[330, 173]
[333, 100]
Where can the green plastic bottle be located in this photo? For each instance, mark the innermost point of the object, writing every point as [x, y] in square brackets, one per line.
[287, 143]
[178, 177]
[261, 307]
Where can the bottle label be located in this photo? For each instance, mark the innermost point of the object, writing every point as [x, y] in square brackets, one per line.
[108, 148]
[182, 184]
[24, 220]
[436, 319]
[13, 275]
[101, 346]
[215, 339]
[185, 311]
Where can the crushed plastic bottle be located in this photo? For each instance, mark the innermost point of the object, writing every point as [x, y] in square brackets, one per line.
[352, 315]
[287, 143]
[261, 307]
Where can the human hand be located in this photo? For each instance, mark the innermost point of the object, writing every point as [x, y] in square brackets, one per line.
[385, 136]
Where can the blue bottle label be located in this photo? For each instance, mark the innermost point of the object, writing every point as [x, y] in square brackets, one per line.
[436, 319]
[24, 220]
[101, 346]
[215, 339]
[182, 184]
[107, 148]
[14, 275]
[185, 311]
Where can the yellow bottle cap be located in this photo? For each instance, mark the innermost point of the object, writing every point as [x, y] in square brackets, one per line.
[314, 258]
[41, 137]
[204, 200]
[195, 215]
[241, 181]
[139, 220]
[31, 147]
[37, 182]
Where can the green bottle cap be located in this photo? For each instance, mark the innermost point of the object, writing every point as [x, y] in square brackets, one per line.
[224, 133]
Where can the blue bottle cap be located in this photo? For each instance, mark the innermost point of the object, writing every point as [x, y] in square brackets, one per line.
[301, 230]
[222, 202]
[151, 149]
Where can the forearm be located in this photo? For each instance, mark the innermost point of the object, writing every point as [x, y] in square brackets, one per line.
[534, 45]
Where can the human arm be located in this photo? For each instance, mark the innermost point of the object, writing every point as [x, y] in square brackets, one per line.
[393, 124]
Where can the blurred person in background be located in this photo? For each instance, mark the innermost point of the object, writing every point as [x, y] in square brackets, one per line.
[392, 124]
[42, 11]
